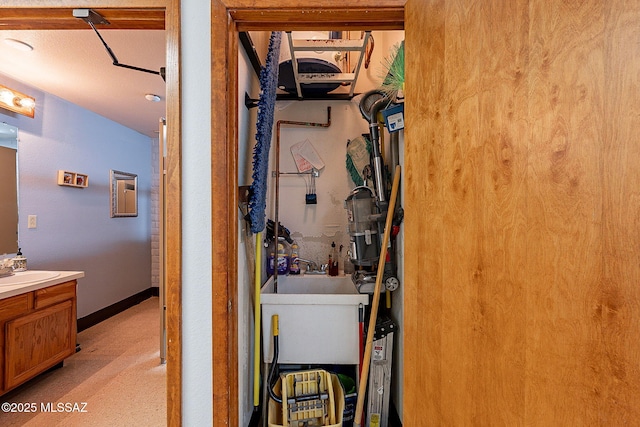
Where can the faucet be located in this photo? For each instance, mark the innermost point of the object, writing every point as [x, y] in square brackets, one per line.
[312, 267]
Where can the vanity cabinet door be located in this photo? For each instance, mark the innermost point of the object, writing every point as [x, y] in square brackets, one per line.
[38, 341]
[10, 308]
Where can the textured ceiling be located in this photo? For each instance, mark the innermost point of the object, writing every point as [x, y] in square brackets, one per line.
[74, 65]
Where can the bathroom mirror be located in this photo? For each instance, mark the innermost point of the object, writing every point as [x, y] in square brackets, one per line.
[8, 189]
[124, 194]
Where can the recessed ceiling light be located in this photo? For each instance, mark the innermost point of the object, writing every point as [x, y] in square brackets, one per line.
[151, 97]
[18, 44]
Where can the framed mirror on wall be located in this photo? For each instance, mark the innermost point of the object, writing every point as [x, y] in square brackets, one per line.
[8, 189]
[124, 194]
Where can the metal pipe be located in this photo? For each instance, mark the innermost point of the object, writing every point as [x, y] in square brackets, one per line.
[279, 123]
[394, 141]
[375, 141]
[313, 172]
[377, 167]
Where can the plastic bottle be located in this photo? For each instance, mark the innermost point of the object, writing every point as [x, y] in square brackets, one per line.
[294, 268]
[348, 266]
[19, 262]
[271, 250]
[333, 260]
[284, 254]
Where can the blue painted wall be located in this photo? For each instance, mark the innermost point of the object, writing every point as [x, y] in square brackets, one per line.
[74, 228]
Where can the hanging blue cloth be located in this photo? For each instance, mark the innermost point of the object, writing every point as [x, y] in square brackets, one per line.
[266, 105]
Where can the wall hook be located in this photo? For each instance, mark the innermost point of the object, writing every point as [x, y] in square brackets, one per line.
[249, 102]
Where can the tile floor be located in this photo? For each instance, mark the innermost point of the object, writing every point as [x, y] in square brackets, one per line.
[115, 380]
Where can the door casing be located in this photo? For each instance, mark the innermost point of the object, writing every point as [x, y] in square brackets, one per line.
[174, 186]
[228, 17]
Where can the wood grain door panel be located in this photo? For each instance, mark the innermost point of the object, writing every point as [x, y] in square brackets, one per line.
[37, 341]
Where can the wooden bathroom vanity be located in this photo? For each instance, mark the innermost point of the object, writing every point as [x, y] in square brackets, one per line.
[37, 323]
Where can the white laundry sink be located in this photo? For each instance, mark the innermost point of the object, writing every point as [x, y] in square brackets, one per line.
[24, 277]
[318, 319]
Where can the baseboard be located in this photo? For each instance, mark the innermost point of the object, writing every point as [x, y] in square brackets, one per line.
[107, 312]
[155, 291]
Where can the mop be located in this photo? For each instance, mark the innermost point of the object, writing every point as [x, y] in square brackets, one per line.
[266, 106]
[258, 192]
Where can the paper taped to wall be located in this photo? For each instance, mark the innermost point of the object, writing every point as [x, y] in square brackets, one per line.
[306, 156]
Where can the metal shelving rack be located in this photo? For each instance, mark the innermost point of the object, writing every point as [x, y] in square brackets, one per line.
[337, 45]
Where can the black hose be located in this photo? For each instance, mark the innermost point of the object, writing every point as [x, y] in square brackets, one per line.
[255, 417]
[273, 370]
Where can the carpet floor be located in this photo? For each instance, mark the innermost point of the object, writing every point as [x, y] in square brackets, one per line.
[115, 380]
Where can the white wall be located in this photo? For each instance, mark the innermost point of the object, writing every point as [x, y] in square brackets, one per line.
[196, 214]
[74, 229]
[314, 227]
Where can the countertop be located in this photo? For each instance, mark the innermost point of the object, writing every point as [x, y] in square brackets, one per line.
[7, 291]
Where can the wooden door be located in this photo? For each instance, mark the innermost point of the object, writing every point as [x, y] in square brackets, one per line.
[522, 303]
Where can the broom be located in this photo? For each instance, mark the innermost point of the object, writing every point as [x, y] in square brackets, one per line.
[393, 71]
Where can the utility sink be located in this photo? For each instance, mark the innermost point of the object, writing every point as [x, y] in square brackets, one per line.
[319, 319]
[24, 277]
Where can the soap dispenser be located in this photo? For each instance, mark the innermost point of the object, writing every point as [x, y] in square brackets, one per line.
[19, 262]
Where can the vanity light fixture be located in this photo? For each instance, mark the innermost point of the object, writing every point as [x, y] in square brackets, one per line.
[17, 102]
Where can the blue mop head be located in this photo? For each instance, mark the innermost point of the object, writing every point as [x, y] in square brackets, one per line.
[266, 106]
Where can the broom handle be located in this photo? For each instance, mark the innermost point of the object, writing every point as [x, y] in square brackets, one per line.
[376, 300]
[256, 327]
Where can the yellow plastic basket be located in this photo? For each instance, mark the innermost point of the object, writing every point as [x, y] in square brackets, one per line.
[310, 398]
